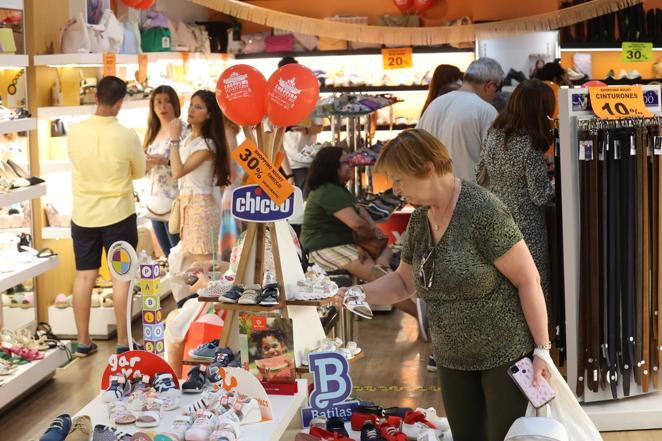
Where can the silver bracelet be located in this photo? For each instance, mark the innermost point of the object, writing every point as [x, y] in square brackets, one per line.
[545, 346]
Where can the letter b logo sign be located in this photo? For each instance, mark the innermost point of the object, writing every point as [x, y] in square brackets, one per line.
[332, 381]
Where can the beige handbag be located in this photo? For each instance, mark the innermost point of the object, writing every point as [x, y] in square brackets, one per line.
[174, 220]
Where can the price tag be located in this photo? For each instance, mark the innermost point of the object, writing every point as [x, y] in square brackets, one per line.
[586, 150]
[258, 167]
[633, 52]
[397, 58]
[109, 64]
[185, 57]
[618, 102]
[142, 68]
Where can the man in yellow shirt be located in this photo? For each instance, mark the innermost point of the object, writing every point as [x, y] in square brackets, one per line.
[106, 157]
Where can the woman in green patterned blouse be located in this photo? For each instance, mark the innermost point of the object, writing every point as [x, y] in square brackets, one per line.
[465, 257]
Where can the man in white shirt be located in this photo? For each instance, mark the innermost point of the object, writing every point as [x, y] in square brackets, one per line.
[460, 119]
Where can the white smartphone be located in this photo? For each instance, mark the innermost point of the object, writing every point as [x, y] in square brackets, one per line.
[522, 374]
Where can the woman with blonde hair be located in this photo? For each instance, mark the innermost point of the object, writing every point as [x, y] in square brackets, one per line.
[464, 256]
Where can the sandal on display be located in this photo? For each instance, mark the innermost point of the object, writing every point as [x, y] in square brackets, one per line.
[355, 302]
[107, 297]
[62, 301]
[95, 300]
[148, 419]
[120, 414]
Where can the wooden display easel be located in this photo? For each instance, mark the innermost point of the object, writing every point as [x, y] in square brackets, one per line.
[307, 328]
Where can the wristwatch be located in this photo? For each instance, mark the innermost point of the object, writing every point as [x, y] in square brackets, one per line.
[545, 346]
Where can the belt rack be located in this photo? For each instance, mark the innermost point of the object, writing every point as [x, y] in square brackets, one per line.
[612, 233]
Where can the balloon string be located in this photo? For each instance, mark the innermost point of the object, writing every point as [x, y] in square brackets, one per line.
[213, 255]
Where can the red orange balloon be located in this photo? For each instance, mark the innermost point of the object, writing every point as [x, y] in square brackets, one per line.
[292, 93]
[404, 5]
[139, 4]
[423, 5]
[594, 83]
[241, 92]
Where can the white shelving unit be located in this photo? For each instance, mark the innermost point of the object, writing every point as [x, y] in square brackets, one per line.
[59, 60]
[27, 376]
[15, 318]
[102, 320]
[25, 271]
[13, 61]
[11, 4]
[87, 109]
[18, 125]
[22, 194]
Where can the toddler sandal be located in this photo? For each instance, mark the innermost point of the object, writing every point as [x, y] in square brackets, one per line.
[355, 302]
[62, 301]
[107, 298]
[95, 300]
[148, 419]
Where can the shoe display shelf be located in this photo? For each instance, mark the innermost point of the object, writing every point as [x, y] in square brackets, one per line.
[284, 407]
[18, 125]
[25, 271]
[103, 324]
[91, 60]
[16, 318]
[30, 375]
[84, 110]
[11, 4]
[22, 194]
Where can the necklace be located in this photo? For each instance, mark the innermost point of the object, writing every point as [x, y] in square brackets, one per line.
[436, 226]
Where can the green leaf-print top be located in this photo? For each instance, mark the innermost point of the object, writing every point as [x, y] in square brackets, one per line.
[476, 320]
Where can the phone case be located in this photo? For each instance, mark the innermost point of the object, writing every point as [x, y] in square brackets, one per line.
[522, 374]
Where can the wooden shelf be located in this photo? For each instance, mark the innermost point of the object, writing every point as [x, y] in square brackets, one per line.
[322, 302]
[22, 194]
[594, 47]
[304, 369]
[189, 362]
[367, 51]
[238, 307]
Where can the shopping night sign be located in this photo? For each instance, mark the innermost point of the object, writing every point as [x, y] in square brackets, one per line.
[332, 385]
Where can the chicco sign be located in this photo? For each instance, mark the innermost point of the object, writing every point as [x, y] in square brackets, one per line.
[250, 203]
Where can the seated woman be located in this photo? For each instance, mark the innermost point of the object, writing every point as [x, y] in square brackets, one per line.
[332, 220]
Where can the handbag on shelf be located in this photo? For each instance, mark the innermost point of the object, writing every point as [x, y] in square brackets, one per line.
[279, 43]
[131, 41]
[253, 43]
[156, 19]
[201, 39]
[175, 219]
[114, 30]
[156, 40]
[185, 37]
[99, 41]
[74, 37]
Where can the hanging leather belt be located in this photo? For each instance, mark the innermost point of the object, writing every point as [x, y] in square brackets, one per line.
[584, 271]
[646, 371]
[655, 258]
[639, 264]
[593, 322]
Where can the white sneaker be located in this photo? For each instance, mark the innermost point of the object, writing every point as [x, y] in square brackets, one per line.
[226, 430]
[427, 435]
[415, 423]
[248, 411]
[180, 426]
[201, 428]
[430, 413]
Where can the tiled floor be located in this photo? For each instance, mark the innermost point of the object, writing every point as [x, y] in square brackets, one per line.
[392, 374]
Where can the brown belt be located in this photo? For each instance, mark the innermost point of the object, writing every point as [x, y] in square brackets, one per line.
[655, 256]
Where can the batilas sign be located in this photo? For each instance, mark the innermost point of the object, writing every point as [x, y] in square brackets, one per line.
[250, 203]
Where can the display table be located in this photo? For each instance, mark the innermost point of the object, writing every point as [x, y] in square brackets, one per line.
[284, 407]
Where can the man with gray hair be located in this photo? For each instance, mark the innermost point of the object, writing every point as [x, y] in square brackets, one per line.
[460, 119]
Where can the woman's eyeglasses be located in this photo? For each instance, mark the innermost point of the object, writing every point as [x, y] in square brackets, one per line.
[426, 269]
